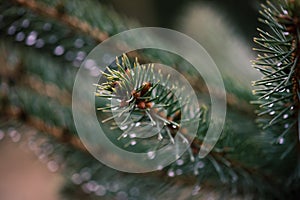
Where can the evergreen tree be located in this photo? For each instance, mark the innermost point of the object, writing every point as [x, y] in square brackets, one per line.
[44, 42]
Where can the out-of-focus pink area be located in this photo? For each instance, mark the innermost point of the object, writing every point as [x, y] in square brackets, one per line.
[23, 176]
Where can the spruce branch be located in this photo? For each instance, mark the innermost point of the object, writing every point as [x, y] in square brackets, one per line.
[278, 61]
[57, 13]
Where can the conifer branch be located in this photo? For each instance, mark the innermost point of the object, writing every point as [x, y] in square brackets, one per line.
[59, 15]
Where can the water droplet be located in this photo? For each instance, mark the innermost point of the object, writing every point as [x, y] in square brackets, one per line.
[123, 127]
[78, 43]
[92, 186]
[278, 64]
[20, 36]
[267, 97]
[272, 112]
[122, 195]
[89, 63]
[137, 124]
[80, 55]
[132, 135]
[286, 126]
[85, 174]
[285, 116]
[160, 167]
[179, 171]
[11, 30]
[25, 23]
[47, 27]
[151, 155]
[52, 166]
[285, 12]
[76, 179]
[70, 56]
[114, 187]
[292, 108]
[281, 140]
[39, 43]
[271, 105]
[200, 164]
[85, 188]
[31, 38]
[2, 135]
[171, 173]
[59, 50]
[286, 33]
[288, 90]
[101, 190]
[133, 142]
[282, 90]
[179, 162]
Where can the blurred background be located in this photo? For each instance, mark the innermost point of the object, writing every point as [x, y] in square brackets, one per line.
[24, 176]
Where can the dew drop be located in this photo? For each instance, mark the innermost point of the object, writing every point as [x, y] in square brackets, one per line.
[76, 179]
[85, 188]
[11, 30]
[292, 108]
[271, 105]
[89, 63]
[174, 126]
[279, 64]
[288, 90]
[179, 162]
[272, 112]
[132, 135]
[137, 124]
[160, 167]
[282, 90]
[70, 56]
[39, 43]
[85, 174]
[80, 55]
[78, 43]
[123, 127]
[114, 187]
[267, 97]
[151, 155]
[31, 38]
[200, 164]
[52, 166]
[59, 50]
[285, 12]
[286, 126]
[285, 116]
[47, 27]
[281, 140]
[101, 190]
[20, 36]
[171, 173]
[25, 23]
[92, 186]
[133, 142]
[122, 195]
